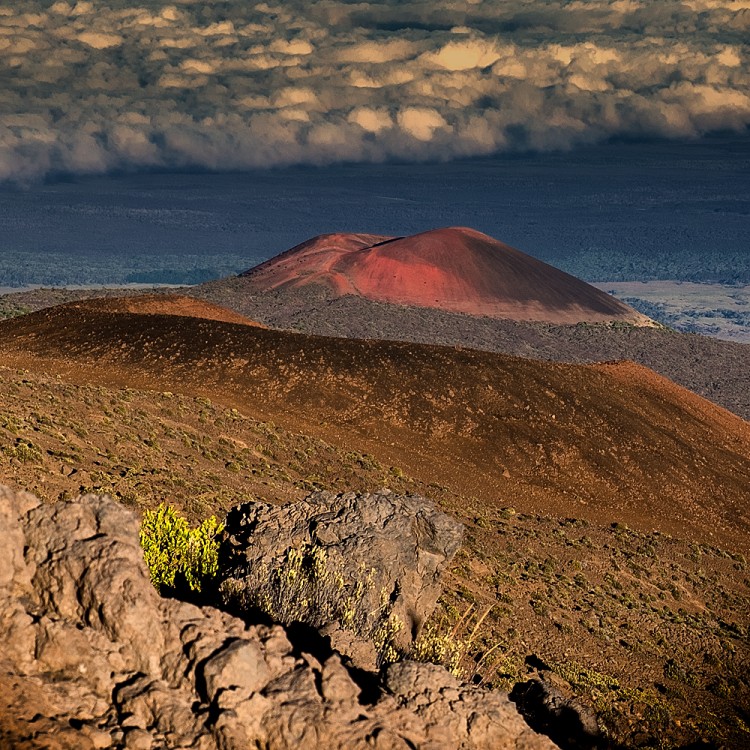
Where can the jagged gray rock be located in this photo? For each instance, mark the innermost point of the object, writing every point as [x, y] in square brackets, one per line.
[453, 709]
[403, 542]
[92, 657]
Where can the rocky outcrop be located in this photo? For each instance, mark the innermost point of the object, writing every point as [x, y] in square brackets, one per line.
[551, 706]
[92, 657]
[399, 544]
[453, 709]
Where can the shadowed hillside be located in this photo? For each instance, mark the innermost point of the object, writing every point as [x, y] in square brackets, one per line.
[717, 370]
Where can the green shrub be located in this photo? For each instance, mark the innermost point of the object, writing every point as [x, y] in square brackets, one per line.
[24, 451]
[175, 553]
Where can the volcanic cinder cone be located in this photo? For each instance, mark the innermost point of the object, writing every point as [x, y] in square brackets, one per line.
[455, 269]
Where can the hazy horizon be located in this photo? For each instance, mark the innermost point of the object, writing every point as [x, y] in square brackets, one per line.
[627, 211]
[143, 140]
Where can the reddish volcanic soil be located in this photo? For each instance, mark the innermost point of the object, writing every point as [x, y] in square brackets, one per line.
[455, 269]
[611, 443]
[165, 304]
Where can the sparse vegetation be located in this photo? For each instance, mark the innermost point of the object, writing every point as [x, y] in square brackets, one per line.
[59, 440]
[621, 602]
[9, 309]
[23, 451]
[604, 597]
[439, 643]
[306, 586]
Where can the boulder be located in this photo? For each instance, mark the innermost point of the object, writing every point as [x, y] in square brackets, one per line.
[399, 544]
[92, 657]
[449, 708]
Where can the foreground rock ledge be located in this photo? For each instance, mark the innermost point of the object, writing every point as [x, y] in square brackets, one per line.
[92, 657]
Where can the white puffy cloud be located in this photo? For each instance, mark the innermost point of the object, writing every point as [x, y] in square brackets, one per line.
[95, 85]
[376, 51]
[371, 120]
[464, 54]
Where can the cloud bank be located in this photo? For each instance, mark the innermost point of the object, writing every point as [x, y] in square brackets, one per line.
[98, 85]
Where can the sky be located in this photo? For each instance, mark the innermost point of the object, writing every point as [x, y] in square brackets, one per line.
[96, 86]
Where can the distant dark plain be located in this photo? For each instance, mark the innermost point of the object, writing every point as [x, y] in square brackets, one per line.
[624, 211]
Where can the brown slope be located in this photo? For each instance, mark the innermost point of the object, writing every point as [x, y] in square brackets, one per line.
[177, 305]
[717, 370]
[613, 443]
[455, 269]
[570, 592]
[59, 440]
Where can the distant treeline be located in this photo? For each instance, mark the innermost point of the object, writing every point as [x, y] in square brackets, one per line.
[594, 264]
[62, 269]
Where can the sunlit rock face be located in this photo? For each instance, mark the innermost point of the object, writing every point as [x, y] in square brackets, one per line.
[455, 269]
[105, 84]
[92, 657]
